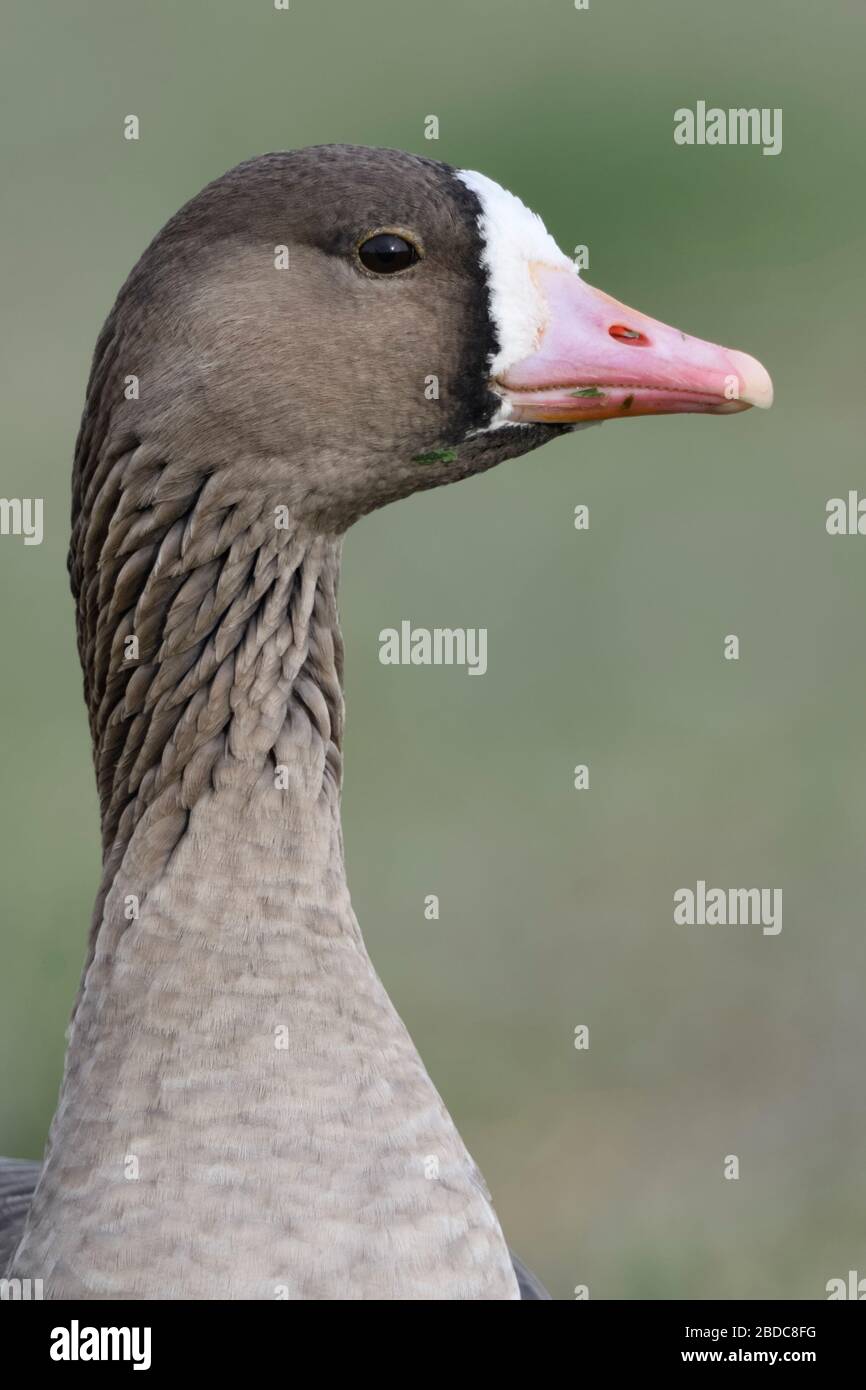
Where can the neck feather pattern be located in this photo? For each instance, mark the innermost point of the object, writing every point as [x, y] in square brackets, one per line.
[209, 638]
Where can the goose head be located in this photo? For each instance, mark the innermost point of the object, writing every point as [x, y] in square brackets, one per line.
[382, 323]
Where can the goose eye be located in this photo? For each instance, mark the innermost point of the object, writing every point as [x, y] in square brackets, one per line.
[386, 252]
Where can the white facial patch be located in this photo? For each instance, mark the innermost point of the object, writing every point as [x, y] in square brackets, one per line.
[512, 237]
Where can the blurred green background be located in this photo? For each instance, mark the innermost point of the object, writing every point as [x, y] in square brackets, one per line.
[605, 647]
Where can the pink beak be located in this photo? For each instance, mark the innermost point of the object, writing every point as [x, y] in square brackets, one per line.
[598, 360]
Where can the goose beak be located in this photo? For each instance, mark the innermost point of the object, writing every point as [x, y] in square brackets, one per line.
[595, 359]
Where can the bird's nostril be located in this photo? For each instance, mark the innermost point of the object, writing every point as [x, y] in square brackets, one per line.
[628, 335]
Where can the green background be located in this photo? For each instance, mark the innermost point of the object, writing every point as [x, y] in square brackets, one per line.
[604, 647]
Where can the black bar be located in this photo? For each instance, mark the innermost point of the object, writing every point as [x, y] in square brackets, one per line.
[250, 1337]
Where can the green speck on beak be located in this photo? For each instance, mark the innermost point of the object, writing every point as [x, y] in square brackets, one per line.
[587, 391]
[436, 456]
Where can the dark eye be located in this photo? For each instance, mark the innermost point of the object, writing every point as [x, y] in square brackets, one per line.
[386, 252]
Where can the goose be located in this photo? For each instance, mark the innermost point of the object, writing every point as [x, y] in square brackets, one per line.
[242, 1112]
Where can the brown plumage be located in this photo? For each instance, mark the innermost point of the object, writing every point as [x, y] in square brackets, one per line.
[243, 1114]
[207, 524]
